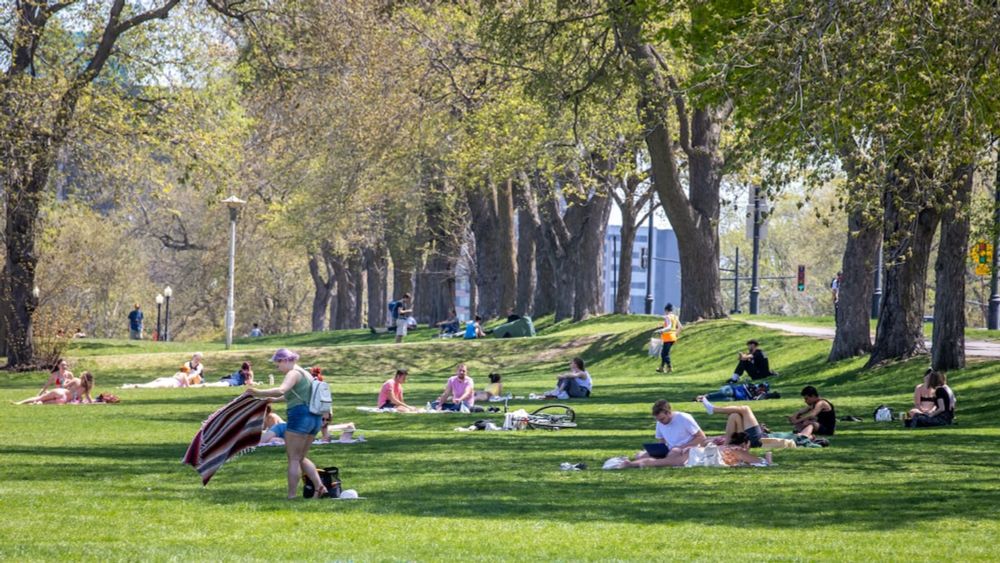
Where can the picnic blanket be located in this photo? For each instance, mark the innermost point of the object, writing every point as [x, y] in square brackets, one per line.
[280, 442]
[419, 411]
[228, 432]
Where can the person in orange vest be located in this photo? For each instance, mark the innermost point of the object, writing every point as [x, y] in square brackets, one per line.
[671, 328]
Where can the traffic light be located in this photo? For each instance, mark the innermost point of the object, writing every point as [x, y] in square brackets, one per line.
[802, 278]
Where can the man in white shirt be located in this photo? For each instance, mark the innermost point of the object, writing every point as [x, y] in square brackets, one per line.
[678, 430]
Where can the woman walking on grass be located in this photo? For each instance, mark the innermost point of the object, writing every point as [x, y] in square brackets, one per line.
[302, 425]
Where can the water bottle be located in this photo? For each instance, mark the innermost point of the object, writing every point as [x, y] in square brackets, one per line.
[270, 379]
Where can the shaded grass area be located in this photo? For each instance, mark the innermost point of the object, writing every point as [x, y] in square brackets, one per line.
[433, 493]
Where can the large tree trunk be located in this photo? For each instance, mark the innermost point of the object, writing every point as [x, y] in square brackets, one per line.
[492, 219]
[559, 252]
[623, 291]
[435, 288]
[907, 239]
[948, 340]
[376, 270]
[693, 215]
[322, 290]
[853, 333]
[348, 274]
[589, 274]
[18, 301]
[526, 234]
[405, 256]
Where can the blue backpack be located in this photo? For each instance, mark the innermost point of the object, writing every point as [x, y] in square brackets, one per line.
[394, 309]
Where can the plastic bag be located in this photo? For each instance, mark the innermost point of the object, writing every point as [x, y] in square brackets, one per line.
[655, 346]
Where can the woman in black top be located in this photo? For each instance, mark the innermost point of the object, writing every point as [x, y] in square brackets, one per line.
[943, 412]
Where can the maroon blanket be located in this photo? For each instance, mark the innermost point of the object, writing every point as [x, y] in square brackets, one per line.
[230, 431]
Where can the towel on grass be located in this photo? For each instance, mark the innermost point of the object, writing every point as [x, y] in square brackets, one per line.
[280, 442]
[230, 431]
[420, 411]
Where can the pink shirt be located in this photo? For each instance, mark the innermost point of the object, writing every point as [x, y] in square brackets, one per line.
[386, 392]
[457, 388]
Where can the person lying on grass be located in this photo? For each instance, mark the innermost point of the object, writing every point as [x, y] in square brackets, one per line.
[183, 378]
[242, 376]
[741, 421]
[818, 418]
[390, 396]
[459, 392]
[573, 384]
[494, 389]
[274, 428]
[676, 429]
[732, 455]
[73, 390]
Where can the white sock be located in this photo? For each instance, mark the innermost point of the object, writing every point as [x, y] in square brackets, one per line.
[708, 406]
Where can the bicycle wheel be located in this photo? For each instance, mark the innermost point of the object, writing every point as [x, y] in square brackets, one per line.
[562, 417]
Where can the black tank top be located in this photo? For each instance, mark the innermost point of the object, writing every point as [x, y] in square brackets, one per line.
[827, 420]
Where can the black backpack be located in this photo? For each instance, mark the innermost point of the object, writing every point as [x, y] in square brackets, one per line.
[330, 476]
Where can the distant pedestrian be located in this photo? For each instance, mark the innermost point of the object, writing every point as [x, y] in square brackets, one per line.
[135, 323]
[401, 311]
[668, 334]
[256, 332]
[835, 290]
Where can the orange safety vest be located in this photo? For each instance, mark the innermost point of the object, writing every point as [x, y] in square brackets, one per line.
[669, 333]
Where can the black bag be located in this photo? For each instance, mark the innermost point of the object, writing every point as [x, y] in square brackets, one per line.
[330, 476]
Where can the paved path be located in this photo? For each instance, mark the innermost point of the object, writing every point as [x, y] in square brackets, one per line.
[976, 348]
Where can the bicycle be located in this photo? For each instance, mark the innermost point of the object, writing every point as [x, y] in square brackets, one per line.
[562, 416]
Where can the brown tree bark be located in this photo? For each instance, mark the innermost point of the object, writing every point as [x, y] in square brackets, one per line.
[907, 239]
[864, 239]
[322, 289]
[434, 295]
[492, 217]
[526, 234]
[948, 338]
[347, 270]
[589, 274]
[632, 205]
[694, 215]
[376, 270]
[405, 256]
[853, 333]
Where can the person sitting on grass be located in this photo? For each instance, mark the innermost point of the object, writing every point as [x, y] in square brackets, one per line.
[943, 412]
[449, 326]
[818, 418]
[346, 430]
[74, 389]
[274, 426]
[183, 378]
[459, 392]
[195, 367]
[494, 389]
[678, 430]
[242, 376]
[923, 396]
[474, 329]
[753, 363]
[390, 396]
[574, 384]
[59, 375]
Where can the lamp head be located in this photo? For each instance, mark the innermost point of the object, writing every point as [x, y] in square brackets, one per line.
[167, 292]
[233, 202]
[159, 299]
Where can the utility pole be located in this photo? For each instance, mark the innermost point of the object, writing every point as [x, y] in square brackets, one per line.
[736, 284]
[755, 264]
[993, 319]
[614, 272]
[649, 261]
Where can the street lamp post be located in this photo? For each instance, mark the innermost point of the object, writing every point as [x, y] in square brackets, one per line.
[755, 259]
[234, 204]
[167, 293]
[649, 261]
[993, 316]
[159, 305]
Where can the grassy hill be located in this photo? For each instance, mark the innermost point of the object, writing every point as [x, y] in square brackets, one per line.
[105, 482]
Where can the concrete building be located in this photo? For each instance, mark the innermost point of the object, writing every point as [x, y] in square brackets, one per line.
[666, 269]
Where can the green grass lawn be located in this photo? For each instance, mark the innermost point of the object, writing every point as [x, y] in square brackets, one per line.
[105, 482]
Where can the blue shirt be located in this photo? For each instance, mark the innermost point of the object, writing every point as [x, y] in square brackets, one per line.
[236, 378]
[135, 320]
[470, 329]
